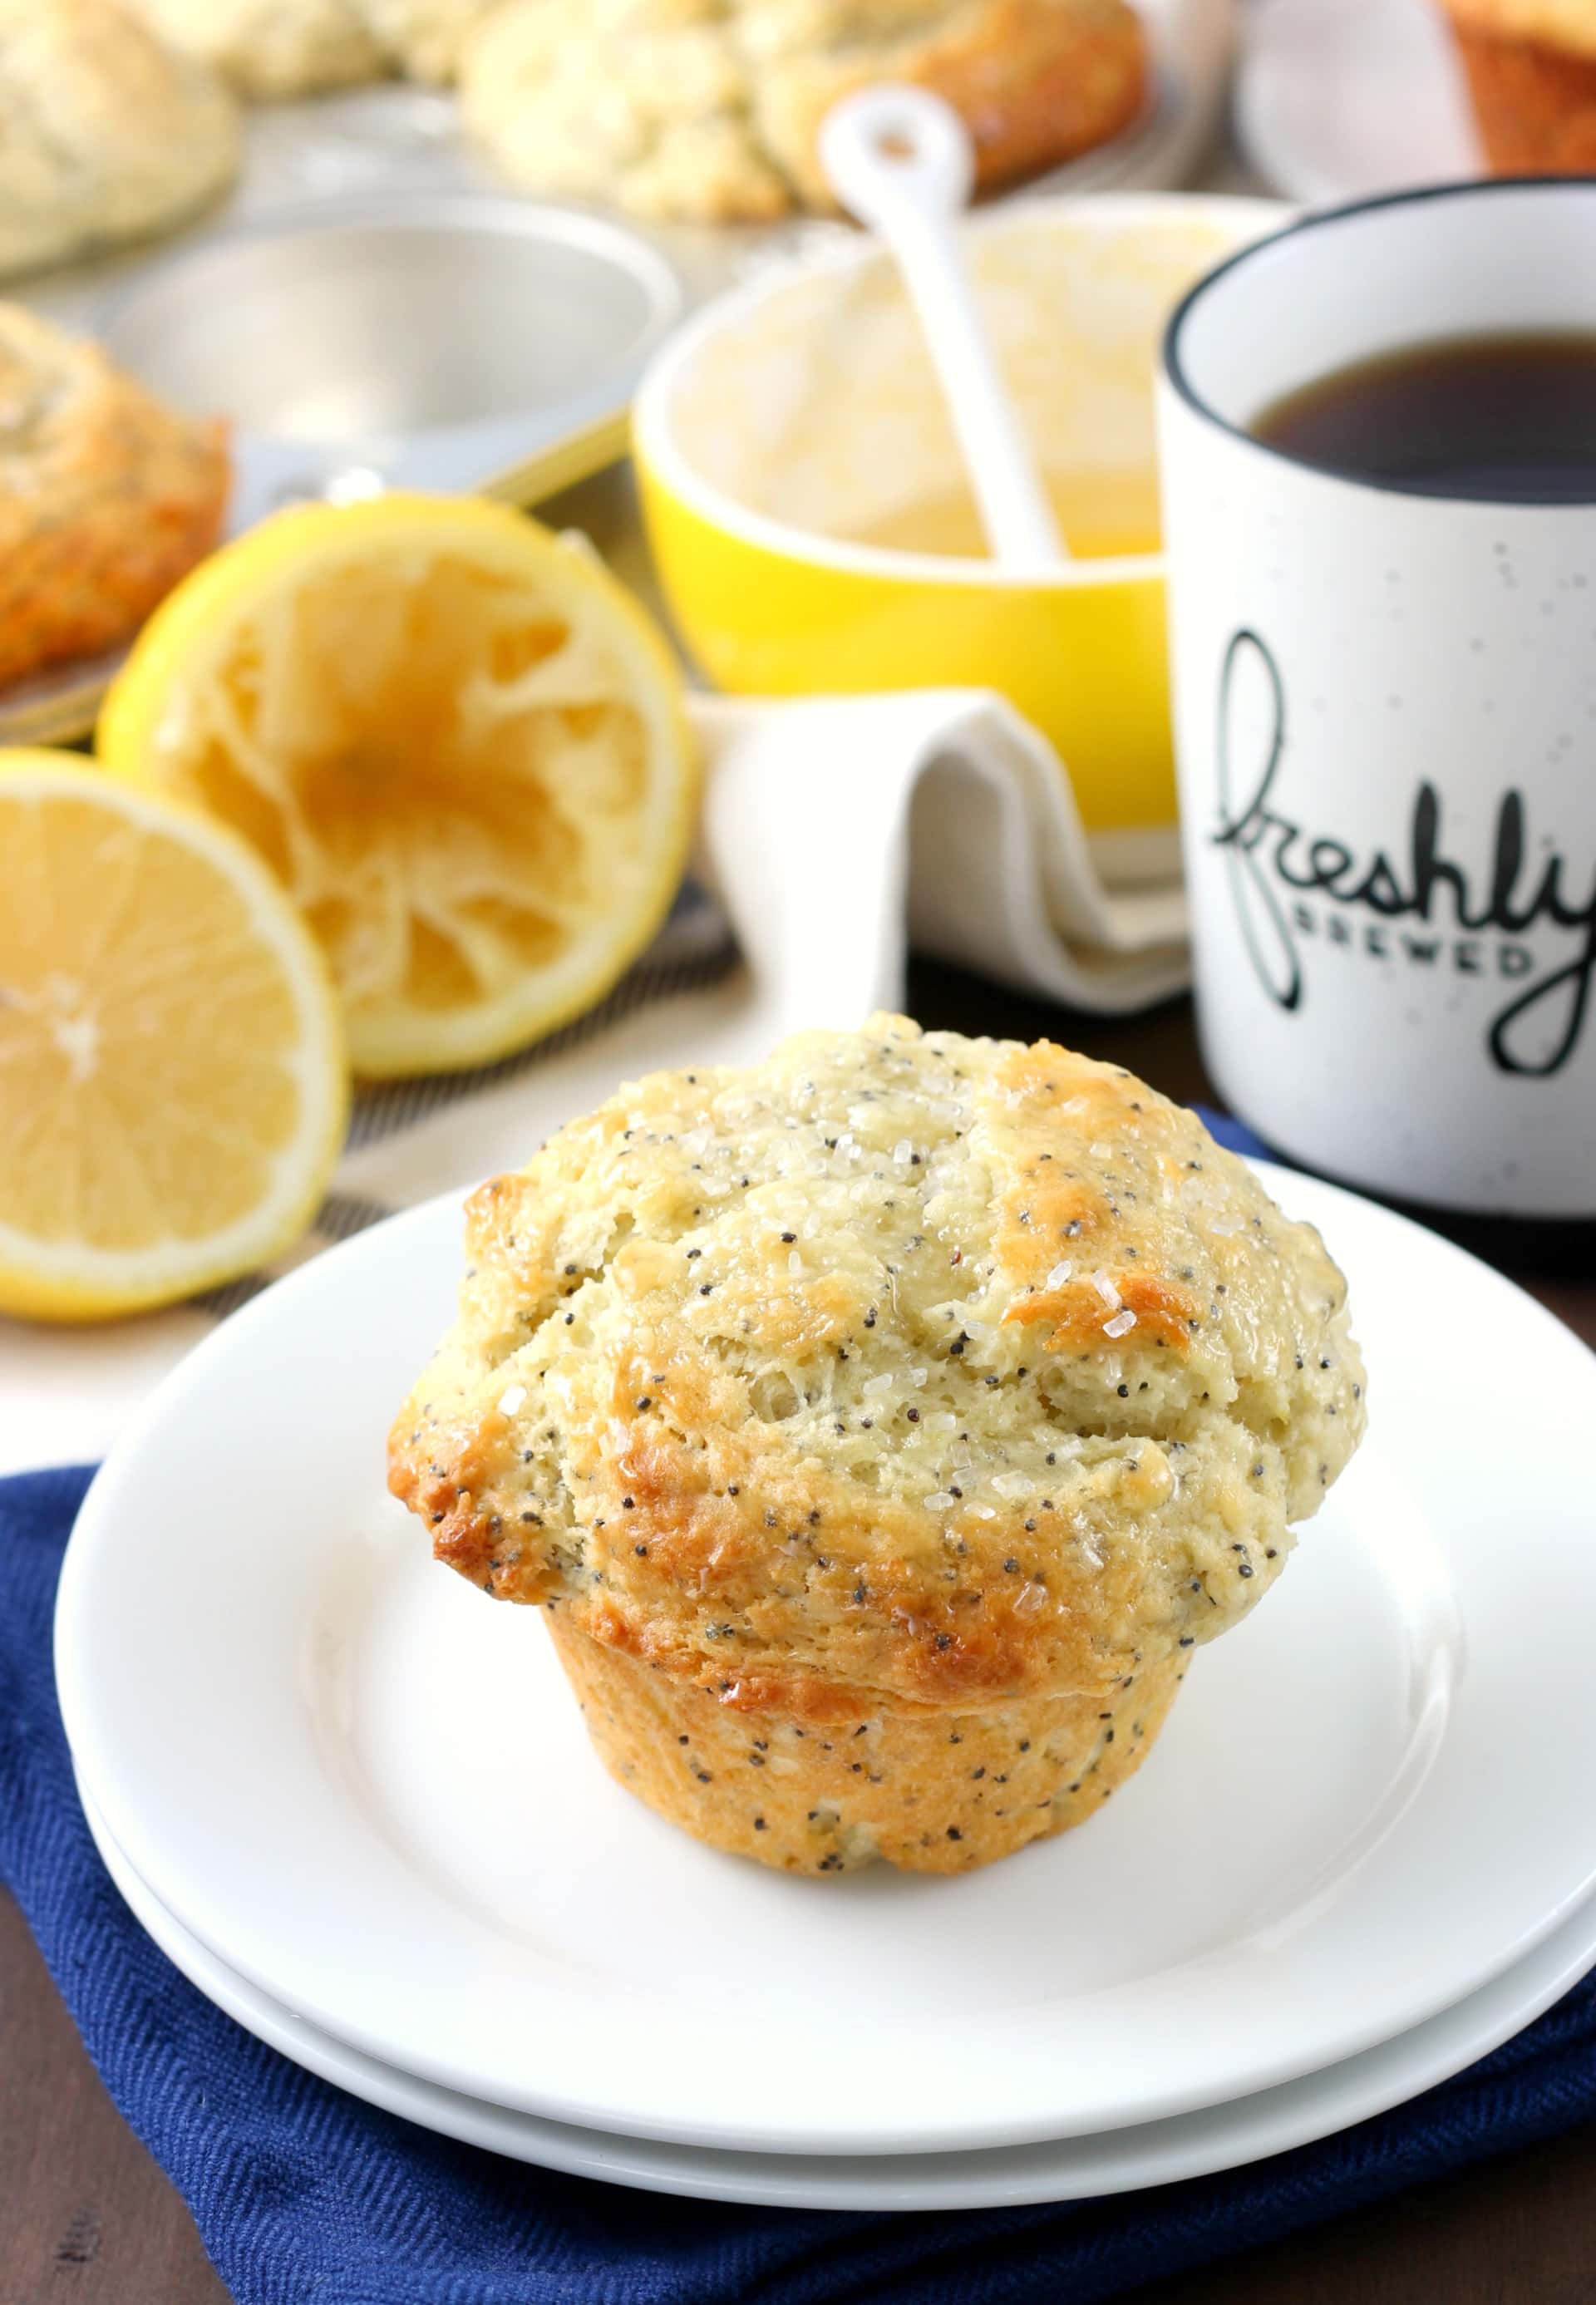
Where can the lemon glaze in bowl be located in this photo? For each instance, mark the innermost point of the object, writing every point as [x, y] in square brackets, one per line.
[804, 407]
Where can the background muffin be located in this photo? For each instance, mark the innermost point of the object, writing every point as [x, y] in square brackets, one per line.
[422, 39]
[109, 134]
[711, 109]
[107, 498]
[882, 1427]
[1532, 74]
[274, 48]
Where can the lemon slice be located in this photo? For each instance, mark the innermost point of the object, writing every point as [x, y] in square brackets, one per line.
[172, 1089]
[457, 740]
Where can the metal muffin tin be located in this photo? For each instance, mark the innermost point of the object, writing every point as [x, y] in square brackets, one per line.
[371, 308]
[379, 341]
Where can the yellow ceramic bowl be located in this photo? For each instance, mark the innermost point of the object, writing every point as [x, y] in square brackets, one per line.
[797, 415]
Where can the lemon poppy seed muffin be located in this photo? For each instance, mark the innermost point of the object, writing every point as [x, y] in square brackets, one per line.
[106, 497]
[882, 1427]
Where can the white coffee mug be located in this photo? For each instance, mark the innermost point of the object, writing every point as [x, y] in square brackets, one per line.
[1385, 713]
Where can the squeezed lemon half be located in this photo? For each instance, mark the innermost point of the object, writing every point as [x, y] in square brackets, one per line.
[456, 741]
[172, 1085]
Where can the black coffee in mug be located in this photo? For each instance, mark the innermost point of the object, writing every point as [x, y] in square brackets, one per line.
[1507, 418]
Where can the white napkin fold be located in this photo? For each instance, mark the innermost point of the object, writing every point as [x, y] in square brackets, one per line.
[838, 831]
[835, 832]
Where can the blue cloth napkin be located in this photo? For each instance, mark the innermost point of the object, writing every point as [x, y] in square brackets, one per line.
[1234, 1133]
[306, 2197]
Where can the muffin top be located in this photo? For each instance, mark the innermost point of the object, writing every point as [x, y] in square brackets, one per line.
[107, 134]
[106, 497]
[901, 1369]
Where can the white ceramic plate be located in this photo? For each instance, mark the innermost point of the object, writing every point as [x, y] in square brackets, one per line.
[365, 1787]
[1336, 99]
[1158, 2153]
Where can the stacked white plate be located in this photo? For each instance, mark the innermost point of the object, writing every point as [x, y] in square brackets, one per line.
[354, 1802]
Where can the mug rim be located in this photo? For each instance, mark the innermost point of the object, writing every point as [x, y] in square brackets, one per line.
[1173, 378]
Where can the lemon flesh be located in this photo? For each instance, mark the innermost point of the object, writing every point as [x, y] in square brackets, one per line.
[173, 1088]
[456, 741]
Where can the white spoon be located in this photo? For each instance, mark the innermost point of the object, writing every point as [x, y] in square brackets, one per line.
[901, 161]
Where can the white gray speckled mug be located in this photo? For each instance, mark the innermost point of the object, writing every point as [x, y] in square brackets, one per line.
[1386, 723]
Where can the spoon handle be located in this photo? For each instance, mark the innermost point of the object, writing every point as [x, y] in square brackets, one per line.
[901, 161]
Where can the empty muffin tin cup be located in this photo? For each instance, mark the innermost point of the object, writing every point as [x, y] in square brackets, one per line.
[392, 341]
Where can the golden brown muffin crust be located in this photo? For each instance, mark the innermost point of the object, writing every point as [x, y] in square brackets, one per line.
[107, 498]
[899, 1371]
[1036, 81]
[934, 1792]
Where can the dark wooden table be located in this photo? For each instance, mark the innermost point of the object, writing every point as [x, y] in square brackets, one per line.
[86, 2218]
